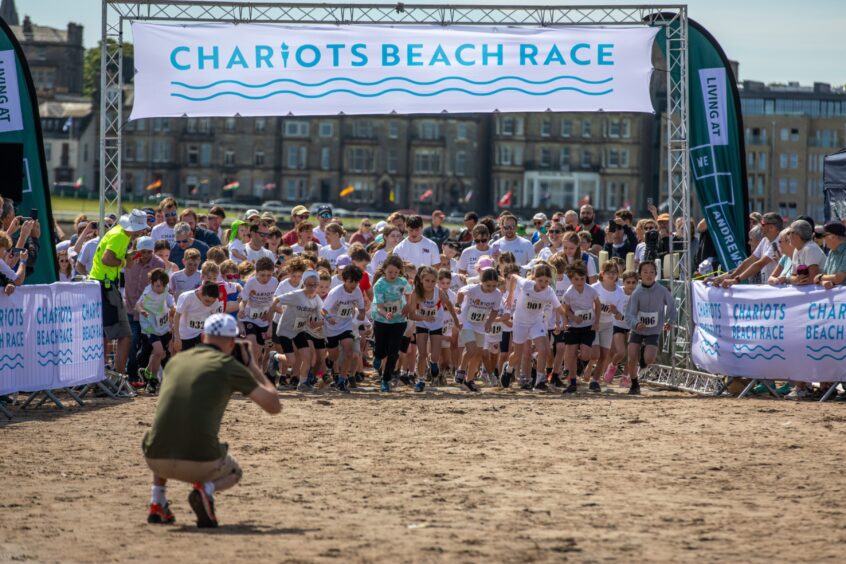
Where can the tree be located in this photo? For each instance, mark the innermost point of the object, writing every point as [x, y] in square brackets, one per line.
[91, 70]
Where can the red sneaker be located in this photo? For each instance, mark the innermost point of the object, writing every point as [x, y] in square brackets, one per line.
[203, 506]
[160, 514]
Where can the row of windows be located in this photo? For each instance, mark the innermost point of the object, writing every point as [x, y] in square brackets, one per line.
[811, 108]
[508, 126]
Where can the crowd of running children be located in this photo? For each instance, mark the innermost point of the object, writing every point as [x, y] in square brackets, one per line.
[321, 315]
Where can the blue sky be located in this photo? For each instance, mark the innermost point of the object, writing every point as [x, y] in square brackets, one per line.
[774, 40]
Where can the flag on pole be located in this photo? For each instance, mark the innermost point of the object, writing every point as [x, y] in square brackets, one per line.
[426, 195]
[584, 200]
[468, 196]
[506, 199]
[155, 185]
[627, 205]
[68, 125]
[234, 185]
[391, 196]
[270, 186]
[79, 181]
[346, 191]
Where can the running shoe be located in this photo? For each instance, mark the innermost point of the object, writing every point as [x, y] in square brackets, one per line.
[153, 386]
[459, 377]
[405, 378]
[609, 374]
[471, 386]
[311, 379]
[203, 506]
[342, 386]
[359, 376]
[594, 386]
[525, 384]
[625, 381]
[384, 386]
[505, 379]
[305, 387]
[160, 514]
[570, 389]
[634, 390]
[419, 386]
[556, 381]
[377, 364]
[797, 394]
[541, 387]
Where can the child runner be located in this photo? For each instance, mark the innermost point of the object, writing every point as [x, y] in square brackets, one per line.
[450, 352]
[280, 362]
[189, 278]
[480, 304]
[651, 309]
[388, 313]
[426, 307]
[621, 329]
[192, 310]
[562, 283]
[303, 309]
[340, 308]
[529, 298]
[155, 307]
[254, 307]
[613, 301]
[583, 308]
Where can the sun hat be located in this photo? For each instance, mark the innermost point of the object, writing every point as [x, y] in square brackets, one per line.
[134, 221]
[664, 217]
[221, 325]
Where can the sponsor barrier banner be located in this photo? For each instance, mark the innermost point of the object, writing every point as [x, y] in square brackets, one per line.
[771, 332]
[51, 336]
[261, 70]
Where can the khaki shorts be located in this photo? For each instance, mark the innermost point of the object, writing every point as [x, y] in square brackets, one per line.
[194, 471]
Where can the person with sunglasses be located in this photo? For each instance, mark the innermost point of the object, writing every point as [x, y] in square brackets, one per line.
[324, 218]
[467, 261]
[522, 249]
[552, 242]
[184, 240]
[364, 235]
[171, 216]
[255, 248]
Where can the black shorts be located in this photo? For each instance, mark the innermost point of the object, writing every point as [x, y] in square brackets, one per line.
[579, 336]
[505, 343]
[407, 342]
[638, 339]
[332, 342]
[300, 341]
[163, 339]
[621, 330]
[557, 338]
[423, 331]
[256, 331]
[188, 344]
[318, 342]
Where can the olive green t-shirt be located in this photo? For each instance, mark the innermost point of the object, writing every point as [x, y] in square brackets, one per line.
[196, 388]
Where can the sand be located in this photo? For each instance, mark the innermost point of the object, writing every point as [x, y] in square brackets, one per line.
[447, 477]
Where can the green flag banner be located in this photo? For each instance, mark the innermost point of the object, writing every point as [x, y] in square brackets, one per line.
[717, 151]
[20, 126]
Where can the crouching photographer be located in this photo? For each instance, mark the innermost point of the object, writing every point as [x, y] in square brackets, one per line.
[183, 443]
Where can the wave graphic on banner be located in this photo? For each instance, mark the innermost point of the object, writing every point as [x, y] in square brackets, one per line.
[832, 355]
[402, 79]
[758, 351]
[10, 361]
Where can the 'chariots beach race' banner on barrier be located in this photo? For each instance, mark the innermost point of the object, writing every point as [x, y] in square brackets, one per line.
[771, 332]
[261, 70]
[51, 336]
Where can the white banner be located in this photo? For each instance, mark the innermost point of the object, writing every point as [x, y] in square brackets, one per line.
[51, 336]
[275, 70]
[771, 332]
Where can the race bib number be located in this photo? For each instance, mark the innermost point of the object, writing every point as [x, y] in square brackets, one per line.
[496, 329]
[606, 308]
[584, 315]
[257, 314]
[648, 318]
[196, 324]
[345, 311]
[534, 306]
[428, 312]
[476, 314]
[161, 322]
[391, 307]
[300, 323]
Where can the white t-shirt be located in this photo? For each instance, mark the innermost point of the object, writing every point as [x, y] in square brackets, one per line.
[163, 232]
[342, 307]
[767, 248]
[522, 249]
[319, 235]
[378, 258]
[157, 306]
[467, 261]
[617, 298]
[639, 250]
[477, 306]
[257, 297]
[284, 287]
[582, 304]
[181, 282]
[7, 271]
[253, 255]
[331, 254]
[559, 287]
[241, 247]
[547, 252]
[86, 254]
[623, 323]
[193, 314]
[299, 312]
[808, 255]
[422, 253]
[449, 324]
[529, 304]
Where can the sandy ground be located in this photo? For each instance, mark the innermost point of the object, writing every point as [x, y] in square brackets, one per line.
[447, 477]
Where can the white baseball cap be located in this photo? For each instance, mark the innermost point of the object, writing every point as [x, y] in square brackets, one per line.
[221, 325]
[145, 244]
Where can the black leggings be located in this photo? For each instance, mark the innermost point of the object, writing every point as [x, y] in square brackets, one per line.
[388, 337]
